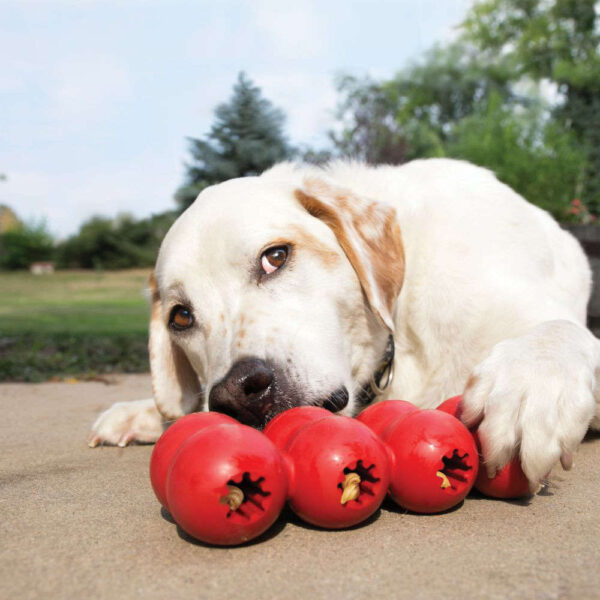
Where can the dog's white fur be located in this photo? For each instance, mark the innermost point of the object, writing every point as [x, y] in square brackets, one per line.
[492, 299]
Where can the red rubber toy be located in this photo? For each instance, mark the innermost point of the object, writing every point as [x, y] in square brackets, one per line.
[282, 427]
[379, 416]
[452, 406]
[170, 441]
[509, 482]
[338, 472]
[434, 461]
[226, 485]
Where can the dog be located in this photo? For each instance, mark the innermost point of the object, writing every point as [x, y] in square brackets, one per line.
[342, 285]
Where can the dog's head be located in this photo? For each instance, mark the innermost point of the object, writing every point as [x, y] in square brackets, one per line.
[269, 295]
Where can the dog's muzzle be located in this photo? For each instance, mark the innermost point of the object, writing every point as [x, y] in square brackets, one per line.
[246, 393]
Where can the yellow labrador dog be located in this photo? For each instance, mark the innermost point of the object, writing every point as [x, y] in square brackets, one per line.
[343, 285]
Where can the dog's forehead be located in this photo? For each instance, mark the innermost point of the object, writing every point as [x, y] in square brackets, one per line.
[225, 224]
[246, 200]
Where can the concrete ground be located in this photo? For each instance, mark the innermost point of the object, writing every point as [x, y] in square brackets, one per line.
[78, 522]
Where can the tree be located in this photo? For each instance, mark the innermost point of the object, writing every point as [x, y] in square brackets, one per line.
[525, 149]
[369, 130]
[479, 99]
[313, 156]
[246, 138]
[119, 243]
[24, 244]
[414, 114]
[557, 40]
[8, 218]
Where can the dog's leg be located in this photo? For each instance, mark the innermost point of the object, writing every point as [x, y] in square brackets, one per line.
[536, 395]
[125, 422]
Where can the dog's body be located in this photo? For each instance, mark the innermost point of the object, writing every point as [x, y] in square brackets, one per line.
[482, 292]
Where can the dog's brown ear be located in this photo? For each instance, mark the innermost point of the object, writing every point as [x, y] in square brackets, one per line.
[369, 235]
[176, 387]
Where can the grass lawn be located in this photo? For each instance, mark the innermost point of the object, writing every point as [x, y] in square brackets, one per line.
[72, 323]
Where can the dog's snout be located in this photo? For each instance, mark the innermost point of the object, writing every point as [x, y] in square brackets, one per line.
[245, 392]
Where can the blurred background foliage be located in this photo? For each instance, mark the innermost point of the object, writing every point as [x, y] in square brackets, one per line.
[22, 243]
[115, 243]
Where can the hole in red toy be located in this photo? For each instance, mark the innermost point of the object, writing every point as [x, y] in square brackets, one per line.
[452, 465]
[355, 482]
[243, 491]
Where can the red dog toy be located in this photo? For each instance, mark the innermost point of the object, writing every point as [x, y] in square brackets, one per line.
[434, 461]
[338, 468]
[170, 441]
[509, 482]
[382, 414]
[226, 484]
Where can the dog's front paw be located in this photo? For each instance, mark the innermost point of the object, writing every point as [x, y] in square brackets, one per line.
[125, 422]
[534, 395]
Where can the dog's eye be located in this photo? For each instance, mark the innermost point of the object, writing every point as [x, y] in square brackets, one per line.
[273, 258]
[181, 318]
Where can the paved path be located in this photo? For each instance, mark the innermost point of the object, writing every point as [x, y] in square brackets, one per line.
[82, 523]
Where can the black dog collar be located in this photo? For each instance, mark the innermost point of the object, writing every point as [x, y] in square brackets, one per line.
[382, 377]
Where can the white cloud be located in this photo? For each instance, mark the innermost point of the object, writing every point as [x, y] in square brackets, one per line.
[292, 29]
[89, 87]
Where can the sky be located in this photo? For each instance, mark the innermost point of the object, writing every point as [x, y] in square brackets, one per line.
[98, 97]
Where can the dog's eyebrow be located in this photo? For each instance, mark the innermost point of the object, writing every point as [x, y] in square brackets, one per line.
[176, 293]
[311, 243]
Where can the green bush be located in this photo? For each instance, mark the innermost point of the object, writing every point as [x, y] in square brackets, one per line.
[526, 150]
[24, 244]
[37, 357]
[119, 243]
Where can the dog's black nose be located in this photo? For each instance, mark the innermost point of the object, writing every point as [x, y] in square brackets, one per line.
[245, 393]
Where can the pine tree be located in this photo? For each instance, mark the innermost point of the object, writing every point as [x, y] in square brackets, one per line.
[246, 138]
